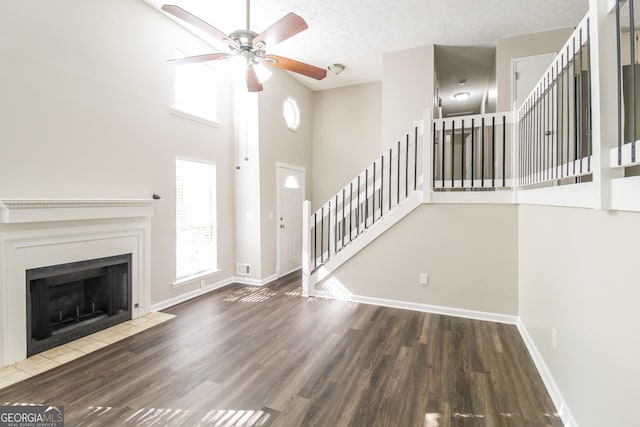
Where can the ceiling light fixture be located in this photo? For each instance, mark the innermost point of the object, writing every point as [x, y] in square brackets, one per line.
[336, 68]
[462, 96]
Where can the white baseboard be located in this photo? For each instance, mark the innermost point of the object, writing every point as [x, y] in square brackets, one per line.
[547, 378]
[209, 288]
[426, 308]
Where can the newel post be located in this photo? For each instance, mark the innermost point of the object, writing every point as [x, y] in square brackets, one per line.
[306, 260]
[427, 156]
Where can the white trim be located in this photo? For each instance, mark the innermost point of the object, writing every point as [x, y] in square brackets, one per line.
[209, 288]
[23, 250]
[367, 236]
[505, 196]
[45, 210]
[573, 195]
[425, 308]
[280, 164]
[552, 388]
[625, 194]
[255, 282]
[303, 187]
[190, 295]
[178, 112]
[625, 155]
[198, 276]
[289, 272]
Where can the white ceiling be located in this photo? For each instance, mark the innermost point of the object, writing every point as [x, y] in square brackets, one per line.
[357, 32]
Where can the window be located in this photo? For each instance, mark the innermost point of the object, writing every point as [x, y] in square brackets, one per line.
[196, 241]
[195, 91]
[291, 113]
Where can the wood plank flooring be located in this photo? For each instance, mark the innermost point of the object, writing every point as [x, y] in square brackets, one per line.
[246, 356]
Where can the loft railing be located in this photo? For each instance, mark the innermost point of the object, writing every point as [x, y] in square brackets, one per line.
[376, 191]
[628, 84]
[554, 122]
[472, 152]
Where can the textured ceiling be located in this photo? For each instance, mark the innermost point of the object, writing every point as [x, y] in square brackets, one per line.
[357, 32]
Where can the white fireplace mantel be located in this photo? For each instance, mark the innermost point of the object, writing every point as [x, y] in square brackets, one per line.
[45, 210]
[88, 233]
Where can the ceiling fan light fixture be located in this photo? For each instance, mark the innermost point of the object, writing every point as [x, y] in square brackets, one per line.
[262, 72]
[462, 96]
[336, 68]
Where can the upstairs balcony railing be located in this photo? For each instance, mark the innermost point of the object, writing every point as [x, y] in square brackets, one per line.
[554, 122]
[472, 152]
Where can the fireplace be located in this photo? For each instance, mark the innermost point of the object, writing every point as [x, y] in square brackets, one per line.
[68, 301]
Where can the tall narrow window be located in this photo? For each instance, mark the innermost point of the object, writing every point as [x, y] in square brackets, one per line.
[196, 246]
[195, 91]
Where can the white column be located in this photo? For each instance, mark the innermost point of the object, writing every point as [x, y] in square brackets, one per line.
[604, 99]
[427, 156]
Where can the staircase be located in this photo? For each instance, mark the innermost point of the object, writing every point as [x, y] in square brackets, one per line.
[371, 203]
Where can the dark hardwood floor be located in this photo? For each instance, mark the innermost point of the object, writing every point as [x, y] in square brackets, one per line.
[246, 356]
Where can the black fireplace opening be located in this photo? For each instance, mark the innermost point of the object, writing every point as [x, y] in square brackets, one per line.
[68, 301]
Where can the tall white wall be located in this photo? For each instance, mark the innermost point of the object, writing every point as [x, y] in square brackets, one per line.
[470, 253]
[407, 90]
[86, 92]
[247, 179]
[578, 273]
[347, 136]
[280, 144]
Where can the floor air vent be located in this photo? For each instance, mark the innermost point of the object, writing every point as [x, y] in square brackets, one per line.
[243, 269]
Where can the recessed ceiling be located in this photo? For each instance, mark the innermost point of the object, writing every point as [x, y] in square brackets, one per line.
[356, 32]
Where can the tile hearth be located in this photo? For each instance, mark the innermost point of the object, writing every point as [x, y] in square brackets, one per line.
[57, 356]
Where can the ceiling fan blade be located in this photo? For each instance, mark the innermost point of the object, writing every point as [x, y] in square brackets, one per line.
[288, 26]
[200, 58]
[253, 84]
[185, 16]
[296, 66]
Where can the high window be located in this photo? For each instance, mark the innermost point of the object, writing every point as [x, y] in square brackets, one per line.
[195, 93]
[196, 236]
[291, 113]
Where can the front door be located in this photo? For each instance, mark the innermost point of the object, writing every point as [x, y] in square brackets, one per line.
[290, 181]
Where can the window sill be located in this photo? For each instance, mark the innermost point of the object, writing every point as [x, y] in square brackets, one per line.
[193, 117]
[190, 279]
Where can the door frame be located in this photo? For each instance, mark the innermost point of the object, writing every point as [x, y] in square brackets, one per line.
[303, 187]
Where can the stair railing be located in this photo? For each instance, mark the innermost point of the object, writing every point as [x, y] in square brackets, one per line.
[366, 199]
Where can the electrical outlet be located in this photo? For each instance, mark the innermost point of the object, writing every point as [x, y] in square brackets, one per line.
[424, 279]
[554, 338]
[202, 283]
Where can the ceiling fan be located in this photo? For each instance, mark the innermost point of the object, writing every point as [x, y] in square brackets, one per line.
[250, 45]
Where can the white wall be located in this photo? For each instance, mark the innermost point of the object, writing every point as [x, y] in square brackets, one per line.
[519, 47]
[347, 136]
[470, 253]
[280, 144]
[86, 92]
[246, 162]
[407, 90]
[578, 273]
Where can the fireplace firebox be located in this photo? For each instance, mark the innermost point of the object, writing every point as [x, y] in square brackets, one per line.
[68, 301]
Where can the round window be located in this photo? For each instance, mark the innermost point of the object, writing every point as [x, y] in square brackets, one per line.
[291, 113]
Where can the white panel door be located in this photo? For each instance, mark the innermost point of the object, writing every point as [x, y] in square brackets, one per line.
[289, 221]
[527, 72]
